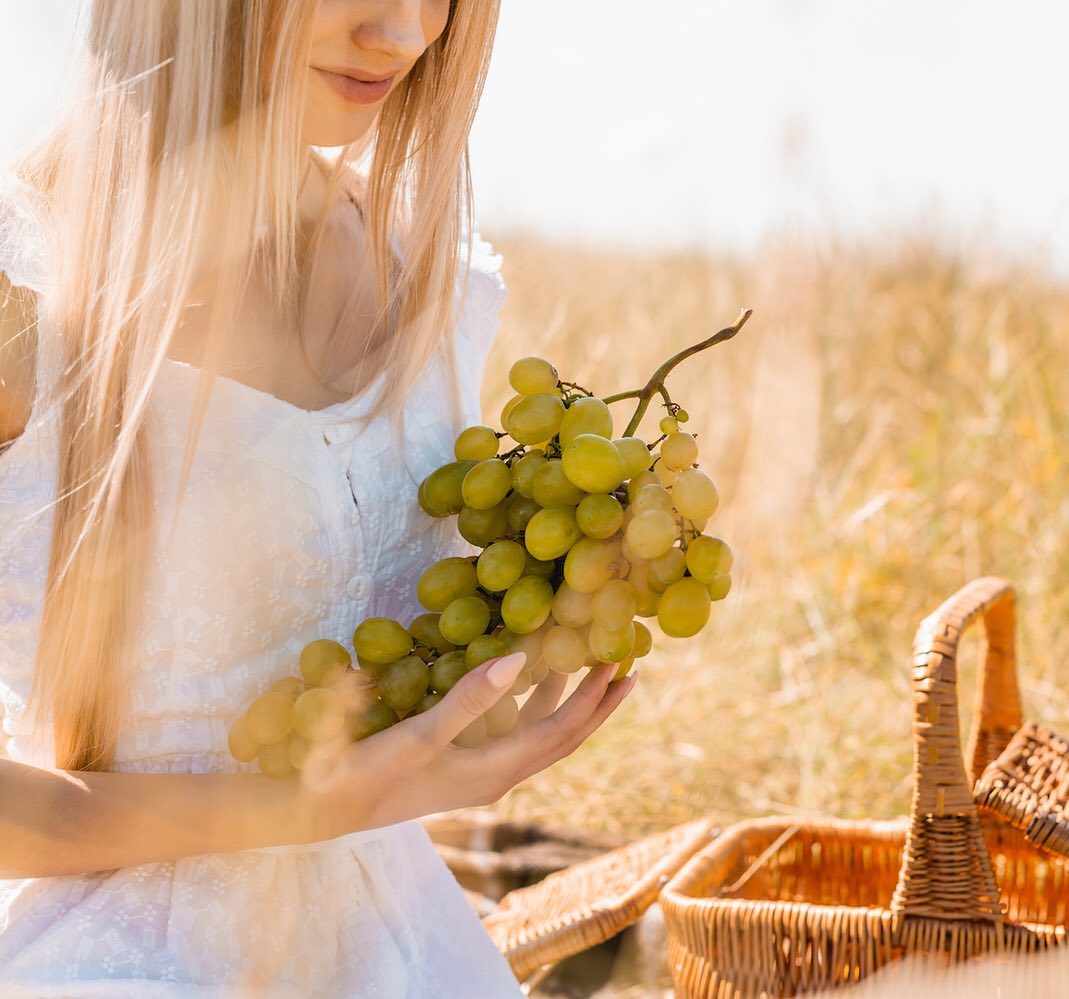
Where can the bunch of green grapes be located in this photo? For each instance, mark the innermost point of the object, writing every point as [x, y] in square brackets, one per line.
[581, 534]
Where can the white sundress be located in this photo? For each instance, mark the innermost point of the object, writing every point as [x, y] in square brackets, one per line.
[295, 526]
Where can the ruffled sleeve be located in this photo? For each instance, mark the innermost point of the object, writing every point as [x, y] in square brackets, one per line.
[23, 252]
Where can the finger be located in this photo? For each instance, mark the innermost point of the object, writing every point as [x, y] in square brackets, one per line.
[614, 697]
[543, 699]
[557, 727]
[470, 698]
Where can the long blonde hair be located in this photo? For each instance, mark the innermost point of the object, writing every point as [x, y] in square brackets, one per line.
[184, 107]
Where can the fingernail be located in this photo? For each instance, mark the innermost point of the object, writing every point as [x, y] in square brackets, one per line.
[503, 673]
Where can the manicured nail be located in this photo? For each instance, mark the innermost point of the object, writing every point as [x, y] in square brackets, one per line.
[503, 673]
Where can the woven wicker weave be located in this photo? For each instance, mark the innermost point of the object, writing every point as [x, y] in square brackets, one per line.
[582, 906]
[775, 908]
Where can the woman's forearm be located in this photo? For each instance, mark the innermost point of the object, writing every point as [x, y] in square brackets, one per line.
[55, 822]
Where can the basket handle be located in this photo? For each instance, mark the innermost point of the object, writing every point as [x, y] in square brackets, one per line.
[946, 870]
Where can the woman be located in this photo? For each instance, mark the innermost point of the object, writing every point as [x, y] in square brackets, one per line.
[169, 543]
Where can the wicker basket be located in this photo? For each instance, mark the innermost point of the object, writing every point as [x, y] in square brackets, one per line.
[777, 908]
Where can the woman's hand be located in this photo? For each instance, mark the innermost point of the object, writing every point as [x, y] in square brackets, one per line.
[413, 768]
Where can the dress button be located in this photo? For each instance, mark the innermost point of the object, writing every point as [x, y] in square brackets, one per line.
[358, 587]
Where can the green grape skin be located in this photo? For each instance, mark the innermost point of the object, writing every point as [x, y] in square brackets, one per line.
[447, 671]
[482, 649]
[318, 714]
[500, 565]
[611, 645]
[669, 425]
[643, 641]
[539, 567]
[445, 581]
[483, 527]
[684, 608]
[551, 487]
[533, 375]
[527, 604]
[624, 668]
[572, 609]
[424, 629]
[682, 416]
[552, 532]
[719, 587]
[381, 640]
[501, 716]
[298, 748]
[615, 604]
[240, 741]
[440, 493]
[535, 418]
[599, 515]
[593, 464]
[679, 450]
[694, 495]
[591, 563]
[636, 455]
[530, 645]
[651, 533]
[464, 620]
[428, 702]
[366, 721]
[487, 484]
[523, 470]
[667, 569]
[404, 683]
[476, 444]
[564, 649]
[291, 686]
[520, 511]
[638, 481]
[652, 497]
[373, 670]
[275, 760]
[323, 659]
[665, 475]
[270, 717]
[509, 407]
[708, 558]
[474, 735]
[586, 416]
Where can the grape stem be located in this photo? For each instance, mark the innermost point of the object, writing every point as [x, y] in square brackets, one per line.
[656, 383]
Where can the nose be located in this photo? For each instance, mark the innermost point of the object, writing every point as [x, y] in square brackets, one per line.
[393, 27]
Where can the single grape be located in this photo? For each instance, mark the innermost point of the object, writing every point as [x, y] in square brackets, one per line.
[318, 714]
[405, 682]
[564, 649]
[651, 533]
[552, 532]
[708, 558]
[527, 604]
[591, 563]
[535, 418]
[483, 648]
[599, 515]
[643, 641]
[500, 565]
[476, 444]
[291, 686]
[448, 670]
[586, 416]
[369, 719]
[501, 716]
[611, 645]
[444, 582]
[424, 629]
[532, 375]
[509, 407]
[638, 481]
[679, 450]
[538, 567]
[299, 748]
[571, 608]
[637, 457]
[243, 745]
[380, 640]
[523, 470]
[275, 760]
[667, 569]
[684, 608]
[529, 644]
[669, 425]
[323, 659]
[682, 416]
[428, 702]
[624, 668]
[615, 604]
[652, 497]
[463, 620]
[474, 735]
[370, 669]
[521, 684]
[269, 717]
[719, 587]
[440, 493]
[483, 527]
[694, 495]
[551, 487]
[487, 484]
[520, 511]
[666, 475]
[592, 463]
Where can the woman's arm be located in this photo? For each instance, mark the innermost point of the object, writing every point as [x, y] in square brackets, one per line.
[56, 822]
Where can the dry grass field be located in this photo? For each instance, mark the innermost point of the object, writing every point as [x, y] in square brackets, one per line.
[891, 423]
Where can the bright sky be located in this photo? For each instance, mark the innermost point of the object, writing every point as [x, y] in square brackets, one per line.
[708, 122]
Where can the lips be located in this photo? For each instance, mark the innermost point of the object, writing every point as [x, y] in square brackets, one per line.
[357, 91]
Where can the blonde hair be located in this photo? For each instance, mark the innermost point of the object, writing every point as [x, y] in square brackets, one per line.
[184, 108]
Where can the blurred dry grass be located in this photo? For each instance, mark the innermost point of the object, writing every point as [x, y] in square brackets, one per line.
[891, 423]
